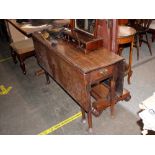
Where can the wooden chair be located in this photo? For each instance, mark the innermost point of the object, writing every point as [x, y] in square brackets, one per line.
[21, 46]
[126, 36]
[22, 50]
[142, 28]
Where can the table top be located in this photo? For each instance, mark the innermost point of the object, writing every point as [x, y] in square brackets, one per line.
[84, 62]
[26, 28]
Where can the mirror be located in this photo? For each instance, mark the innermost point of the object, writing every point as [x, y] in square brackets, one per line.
[85, 25]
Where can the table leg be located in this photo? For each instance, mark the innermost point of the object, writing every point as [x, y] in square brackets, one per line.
[89, 116]
[83, 116]
[112, 96]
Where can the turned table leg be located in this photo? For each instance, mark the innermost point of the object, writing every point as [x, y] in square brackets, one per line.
[89, 116]
[83, 116]
[112, 97]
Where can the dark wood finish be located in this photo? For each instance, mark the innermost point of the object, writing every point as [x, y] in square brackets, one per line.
[77, 72]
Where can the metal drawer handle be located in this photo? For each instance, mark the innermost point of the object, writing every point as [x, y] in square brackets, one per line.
[104, 71]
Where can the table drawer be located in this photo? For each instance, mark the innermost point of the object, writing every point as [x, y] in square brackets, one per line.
[102, 73]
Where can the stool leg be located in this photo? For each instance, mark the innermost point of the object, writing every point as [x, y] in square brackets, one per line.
[130, 63]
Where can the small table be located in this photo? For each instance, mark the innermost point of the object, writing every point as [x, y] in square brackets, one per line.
[126, 36]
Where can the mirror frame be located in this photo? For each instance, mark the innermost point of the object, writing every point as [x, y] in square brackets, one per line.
[73, 28]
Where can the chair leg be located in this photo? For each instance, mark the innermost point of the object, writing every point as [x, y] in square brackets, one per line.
[140, 39]
[149, 46]
[22, 65]
[13, 54]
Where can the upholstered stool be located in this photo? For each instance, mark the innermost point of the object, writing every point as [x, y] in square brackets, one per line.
[126, 36]
[22, 50]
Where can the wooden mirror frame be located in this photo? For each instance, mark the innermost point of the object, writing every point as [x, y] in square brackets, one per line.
[72, 26]
[104, 27]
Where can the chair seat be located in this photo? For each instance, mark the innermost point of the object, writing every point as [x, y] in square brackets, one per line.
[23, 46]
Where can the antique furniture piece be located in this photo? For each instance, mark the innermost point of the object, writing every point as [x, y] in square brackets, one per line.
[21, 46]
[97, 72]
[142, 29]
[126, 35]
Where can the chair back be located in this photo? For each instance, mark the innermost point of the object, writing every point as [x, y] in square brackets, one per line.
[13, 33]
[141, 25]
[145, 23]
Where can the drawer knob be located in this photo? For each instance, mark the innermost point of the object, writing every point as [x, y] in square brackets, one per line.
[104, 71]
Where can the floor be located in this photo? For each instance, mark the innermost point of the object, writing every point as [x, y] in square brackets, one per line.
[32, 106]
